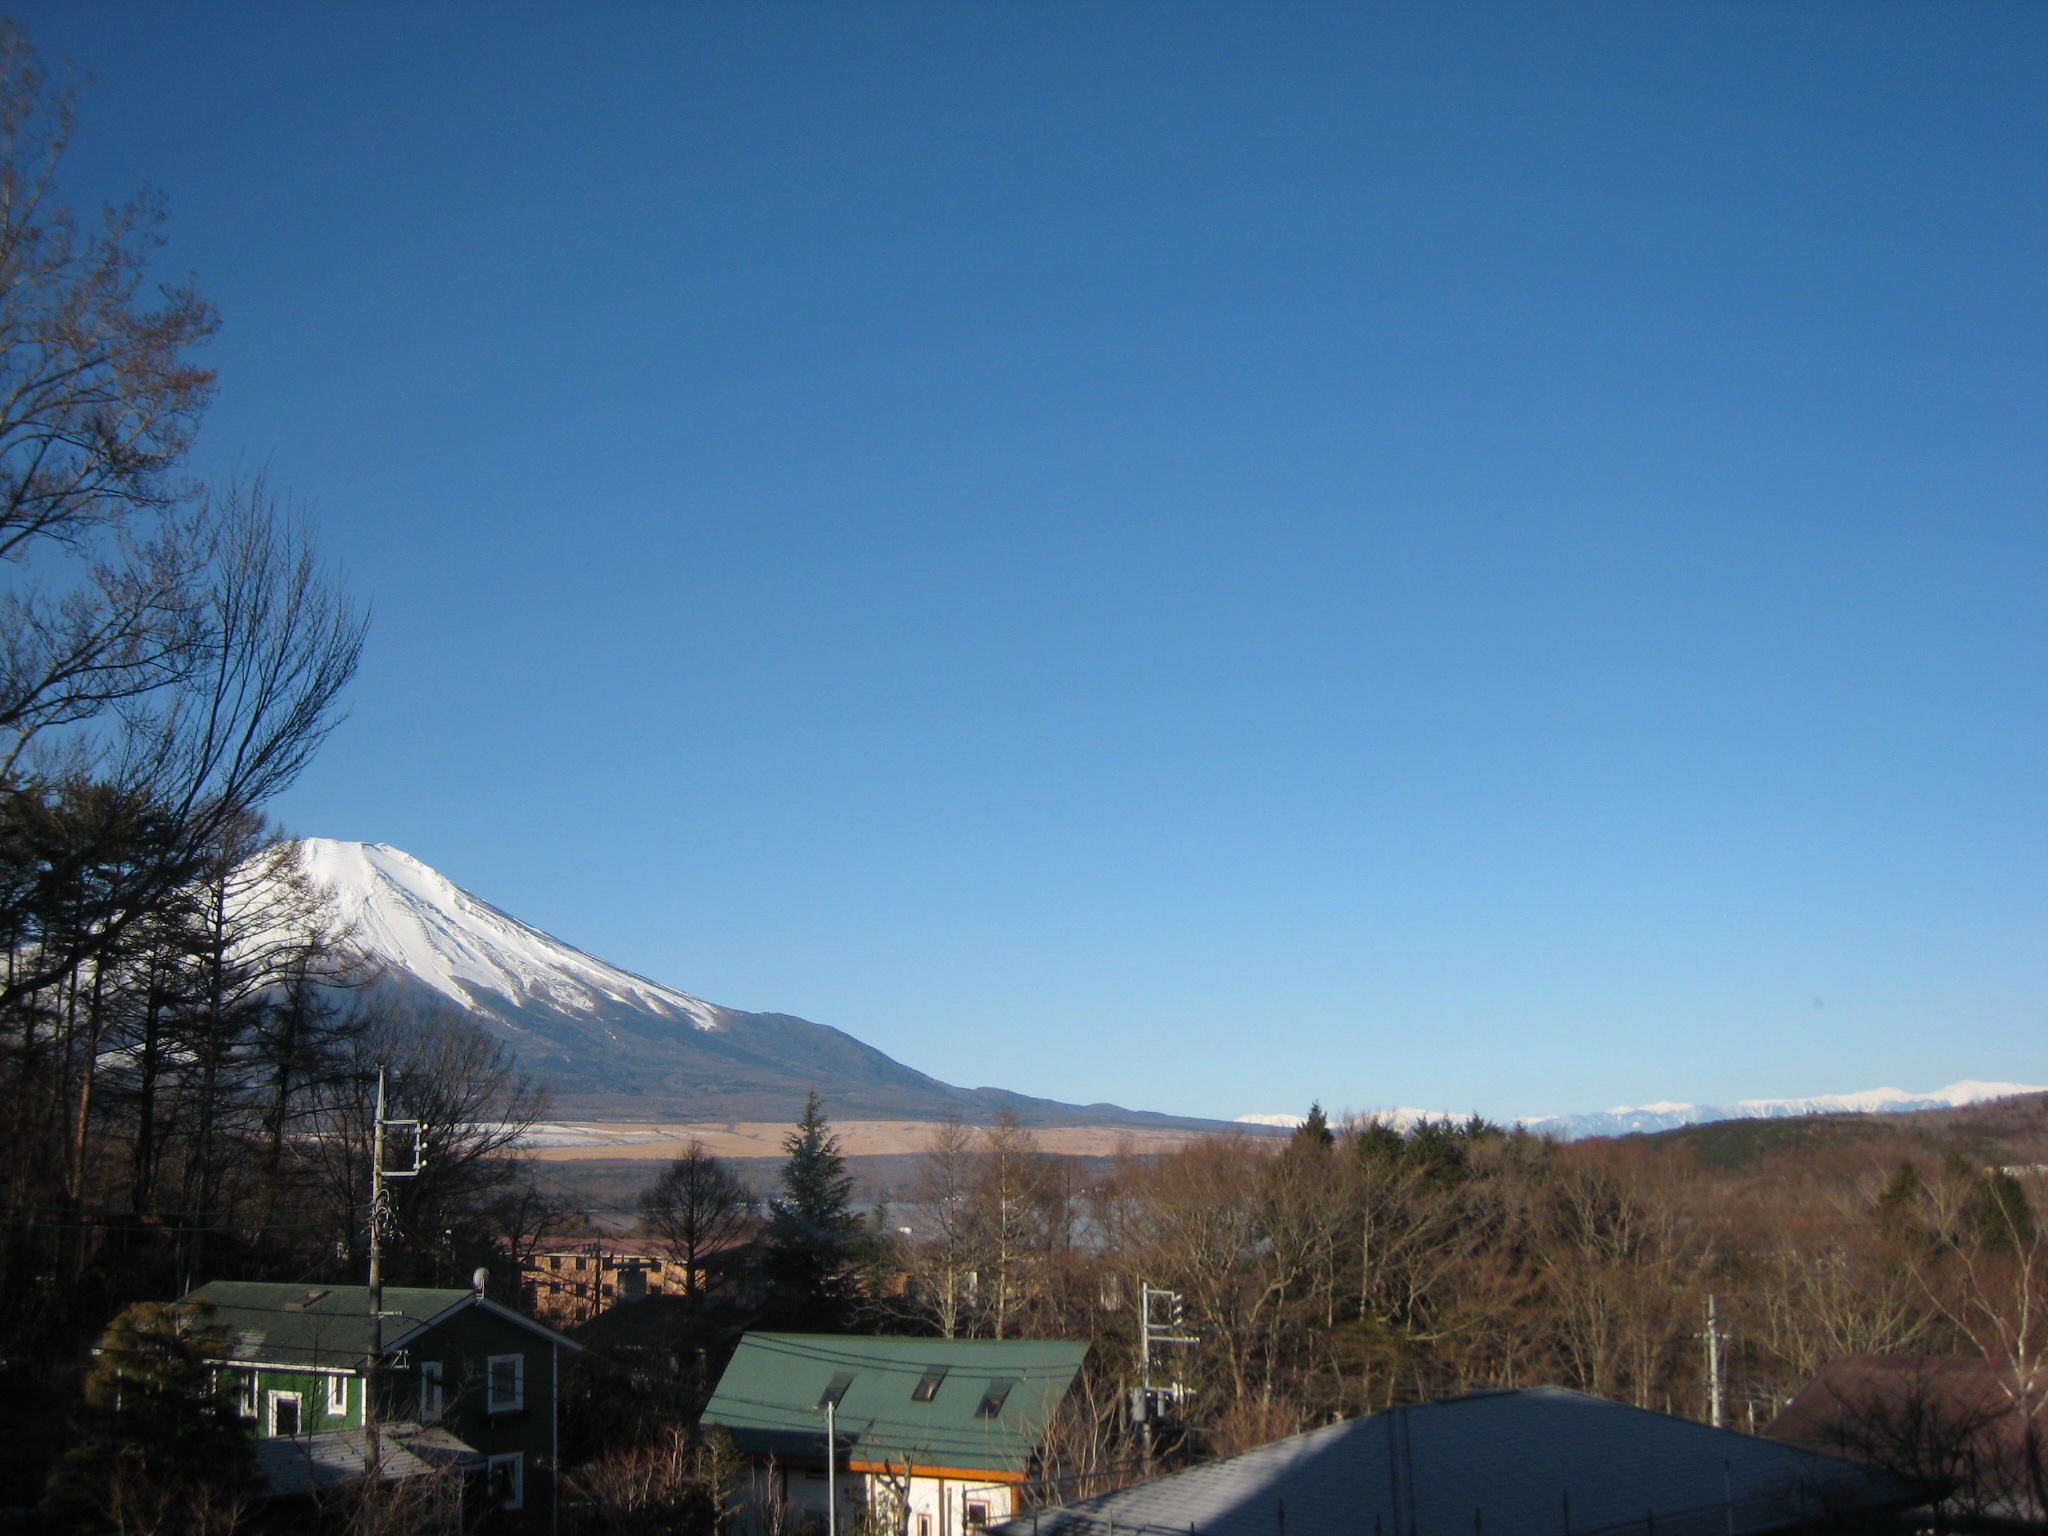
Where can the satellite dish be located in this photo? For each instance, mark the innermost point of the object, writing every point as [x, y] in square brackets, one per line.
[480, 1279]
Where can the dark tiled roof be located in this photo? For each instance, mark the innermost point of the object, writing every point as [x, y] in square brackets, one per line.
[328, 1326]
[1493, 1462]
[770, 1397]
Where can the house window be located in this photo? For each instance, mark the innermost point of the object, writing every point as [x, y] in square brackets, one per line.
[835, 1389]
[337, 1397]
[924, 1525]
[977, 1517]
[505, 1481]
[506, 1375]
[284, 1413]
[993, 1399]
[927, 1386]
[250, 1408]
[432, 1398]
[554, 1261]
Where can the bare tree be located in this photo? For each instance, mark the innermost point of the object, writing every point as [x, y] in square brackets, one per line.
[940, 1263]
[98, 402]
[695, 1206]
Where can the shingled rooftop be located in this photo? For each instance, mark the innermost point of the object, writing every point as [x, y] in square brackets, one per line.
[1539, 1460]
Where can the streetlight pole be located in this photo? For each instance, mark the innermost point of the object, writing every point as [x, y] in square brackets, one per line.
[831, 1481]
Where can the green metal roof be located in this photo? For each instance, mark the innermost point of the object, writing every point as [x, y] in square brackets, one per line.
[771, 1397]
[327, 1327]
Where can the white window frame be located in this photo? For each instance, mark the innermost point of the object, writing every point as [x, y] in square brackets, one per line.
[251, 1400]
[298, 1402]
[492, 1402]
[433, 1392]
[337, 1396]
[516, 1460]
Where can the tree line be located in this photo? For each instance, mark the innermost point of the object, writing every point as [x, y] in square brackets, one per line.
[1350, 1267]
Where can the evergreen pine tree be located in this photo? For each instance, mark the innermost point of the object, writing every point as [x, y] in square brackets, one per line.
[814, 1237]
[1898, 1207]
[1314, 1133]
[159, 1430]
[2004, 1219]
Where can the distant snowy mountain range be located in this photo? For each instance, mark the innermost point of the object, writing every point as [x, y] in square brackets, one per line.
[1632, 1119]
[616, 1046]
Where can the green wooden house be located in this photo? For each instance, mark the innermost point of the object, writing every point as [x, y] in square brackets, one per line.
[947, 1431]
[479, 1376]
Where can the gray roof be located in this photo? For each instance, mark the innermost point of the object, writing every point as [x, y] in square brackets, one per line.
[1541, 1461]
[314, 1327]
[314, 1463]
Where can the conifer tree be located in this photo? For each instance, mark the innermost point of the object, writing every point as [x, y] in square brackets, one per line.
[160, 1445]
[1314, 1133]
[814, 1236]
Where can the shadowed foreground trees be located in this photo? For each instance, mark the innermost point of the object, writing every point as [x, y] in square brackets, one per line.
[159, 1445]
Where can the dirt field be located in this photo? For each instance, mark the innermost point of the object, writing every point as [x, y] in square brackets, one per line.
[579, 1141]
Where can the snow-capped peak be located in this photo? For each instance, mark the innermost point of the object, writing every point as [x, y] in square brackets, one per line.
[410, 918]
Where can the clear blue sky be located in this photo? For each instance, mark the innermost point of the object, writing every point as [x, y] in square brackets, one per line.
[1482, 556]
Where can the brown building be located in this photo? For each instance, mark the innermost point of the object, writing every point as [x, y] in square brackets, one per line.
[574, 1283]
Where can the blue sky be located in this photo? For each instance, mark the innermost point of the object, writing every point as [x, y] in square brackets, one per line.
[1480, 556]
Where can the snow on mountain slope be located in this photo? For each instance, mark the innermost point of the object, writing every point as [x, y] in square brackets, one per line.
[616, 1046]
[1665, 1116]
[413, 919]
[1627, 1119]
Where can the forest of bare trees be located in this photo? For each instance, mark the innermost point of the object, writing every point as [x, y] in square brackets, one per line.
[1351, 1267]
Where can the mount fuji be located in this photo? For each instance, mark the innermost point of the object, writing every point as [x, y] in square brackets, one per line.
[616, 1046]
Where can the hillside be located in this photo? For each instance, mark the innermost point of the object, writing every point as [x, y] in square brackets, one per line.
[2010, 1130]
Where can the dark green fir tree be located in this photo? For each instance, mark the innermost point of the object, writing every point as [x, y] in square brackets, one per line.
[158, 1432]
[1314, 1133]
[814, 1240]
